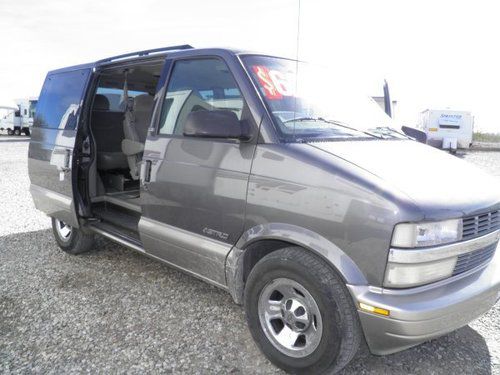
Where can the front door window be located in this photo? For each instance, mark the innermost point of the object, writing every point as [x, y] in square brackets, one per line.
[198, 85]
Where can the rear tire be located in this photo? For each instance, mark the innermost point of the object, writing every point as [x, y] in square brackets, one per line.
[71, 240]
[295, 291]
[10, 132]
[17, 132]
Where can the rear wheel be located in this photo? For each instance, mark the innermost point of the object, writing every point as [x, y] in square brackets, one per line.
[10, 132]
[71, 240]
[17, 132]
[300, 313]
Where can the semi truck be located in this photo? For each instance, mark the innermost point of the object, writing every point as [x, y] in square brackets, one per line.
[18, 119]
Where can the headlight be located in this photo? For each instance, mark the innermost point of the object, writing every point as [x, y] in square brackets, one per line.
[399, 275]
[416, 235]
[427, 234]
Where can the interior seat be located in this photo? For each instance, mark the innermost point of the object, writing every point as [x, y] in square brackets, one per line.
[107, 129]
[135, 129]
[101, 103]
[194, 102]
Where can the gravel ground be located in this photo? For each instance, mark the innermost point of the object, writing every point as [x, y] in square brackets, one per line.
[489, 161]
[113, 311]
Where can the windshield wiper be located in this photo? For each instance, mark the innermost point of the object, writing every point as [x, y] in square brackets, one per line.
[381, 132]
[388, 132]
[299, 119]
[340, 124]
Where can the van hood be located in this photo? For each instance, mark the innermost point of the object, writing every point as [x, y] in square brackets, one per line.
[440, 184]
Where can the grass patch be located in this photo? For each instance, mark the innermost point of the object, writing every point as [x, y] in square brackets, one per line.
[486, 137]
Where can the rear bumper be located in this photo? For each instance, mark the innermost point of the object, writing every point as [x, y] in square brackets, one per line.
[420, 314]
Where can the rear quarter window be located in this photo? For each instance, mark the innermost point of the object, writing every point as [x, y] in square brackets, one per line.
[60, 98]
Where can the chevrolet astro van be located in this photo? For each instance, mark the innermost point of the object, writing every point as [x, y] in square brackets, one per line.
[263, 176]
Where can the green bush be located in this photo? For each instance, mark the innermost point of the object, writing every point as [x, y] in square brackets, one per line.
[486, 137]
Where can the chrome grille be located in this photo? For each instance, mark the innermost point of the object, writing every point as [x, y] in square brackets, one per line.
[468, 261]
[475, 226]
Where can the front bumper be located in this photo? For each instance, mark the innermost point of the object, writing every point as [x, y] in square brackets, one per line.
[420, 314]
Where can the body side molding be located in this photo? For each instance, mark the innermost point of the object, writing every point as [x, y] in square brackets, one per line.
[204, 256]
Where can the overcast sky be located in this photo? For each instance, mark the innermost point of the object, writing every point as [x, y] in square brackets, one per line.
[435, 54]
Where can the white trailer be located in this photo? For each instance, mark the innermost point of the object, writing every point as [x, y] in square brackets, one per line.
[18, 120]
[8, 120]
[446, 128]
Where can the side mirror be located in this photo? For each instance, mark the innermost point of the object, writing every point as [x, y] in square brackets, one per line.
[215, 124]
[417, 134]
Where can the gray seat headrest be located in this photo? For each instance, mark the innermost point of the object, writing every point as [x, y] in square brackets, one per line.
[101, 103]
[143, 103]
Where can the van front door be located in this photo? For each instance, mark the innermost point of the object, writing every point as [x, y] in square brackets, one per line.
[193, 190]
[50, 156]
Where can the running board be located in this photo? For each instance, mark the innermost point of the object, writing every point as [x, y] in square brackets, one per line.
[117, 201]
[108, 231]
[116, 236]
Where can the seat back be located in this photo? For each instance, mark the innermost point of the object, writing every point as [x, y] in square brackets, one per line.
[136, 123]
[135, 128]
[101, 103]
[107, 129]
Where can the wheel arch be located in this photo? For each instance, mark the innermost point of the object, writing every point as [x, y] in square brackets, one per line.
[263, 239]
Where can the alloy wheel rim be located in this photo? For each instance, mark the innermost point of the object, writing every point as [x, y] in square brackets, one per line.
[63, 230]
[290, 317]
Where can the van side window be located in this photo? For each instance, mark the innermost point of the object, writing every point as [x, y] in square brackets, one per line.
[60, 99]
[115, 96]
[195, 85]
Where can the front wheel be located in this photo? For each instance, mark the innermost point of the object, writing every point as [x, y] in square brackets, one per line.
[71, 240]
[300, 313]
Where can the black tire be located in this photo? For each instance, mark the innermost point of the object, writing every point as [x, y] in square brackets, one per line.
[27, 133]
[10, 132]
[341, 334]
[17, 132]
[76, 242]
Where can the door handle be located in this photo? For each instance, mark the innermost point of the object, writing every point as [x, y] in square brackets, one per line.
[61, 159]
[67, 158]
[147, 170]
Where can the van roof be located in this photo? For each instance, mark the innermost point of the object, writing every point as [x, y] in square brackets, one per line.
[446, 110]
[145, 54]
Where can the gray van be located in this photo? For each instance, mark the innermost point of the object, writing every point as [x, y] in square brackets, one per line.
[262, 176]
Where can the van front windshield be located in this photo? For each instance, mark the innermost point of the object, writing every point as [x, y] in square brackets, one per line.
[307, 103]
